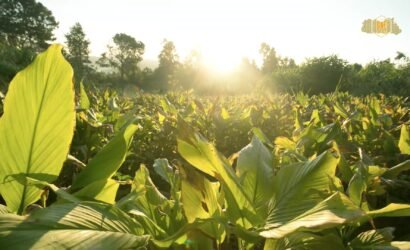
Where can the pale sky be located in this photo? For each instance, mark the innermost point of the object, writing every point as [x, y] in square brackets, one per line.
[226, 31]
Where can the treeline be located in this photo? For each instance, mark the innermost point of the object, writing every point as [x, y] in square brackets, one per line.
[26, 27]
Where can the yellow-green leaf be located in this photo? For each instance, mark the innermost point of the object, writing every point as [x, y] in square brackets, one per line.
[335, 210]
[86, 225]
[104, 165]
[102, 190]
[404, 142]
[394, 171]
[285, 143]
[299, 187]
[392, 210]
[37, 127]
[225, 114]
[200, 199]
[84, 101]
[202, 155]
[255, 170]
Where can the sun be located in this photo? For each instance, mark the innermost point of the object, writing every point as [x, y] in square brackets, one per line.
[220, 58]
[220, 63]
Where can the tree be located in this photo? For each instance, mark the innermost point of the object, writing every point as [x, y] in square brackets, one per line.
[382, 76]
[26, 27]
[26, 24]
[286, 63]
[78, 51]
[168, 57]
[11, 61]
[286, 79]
[270, 59]
[322, 74]
[168, 65]
[124, 56]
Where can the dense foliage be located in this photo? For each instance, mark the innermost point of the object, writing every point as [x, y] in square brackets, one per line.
[320, 172]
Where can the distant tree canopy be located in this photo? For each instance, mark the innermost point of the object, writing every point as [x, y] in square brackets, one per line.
[124, 55]
[26, 24]
[164, 75]
[78, 52]
[26, 27]
[383, 76]
[269, 57]
[321, 74]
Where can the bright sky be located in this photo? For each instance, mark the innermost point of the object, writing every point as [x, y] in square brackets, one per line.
[226, 31]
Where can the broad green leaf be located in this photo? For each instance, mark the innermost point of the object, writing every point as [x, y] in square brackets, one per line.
[198, 240]
[325, 133]
[404, 142]
[389, 144]
[161, 118]
[285, 143]
[375, 105]
[203, 156]
[37, 127]
[339, 109]
[147, 223]
[151, 198]
[147, 199]
[104, 165]
[200, 201]
[391, 210]
[126, 119]
[393, 172]
[3, 209]
[346, 172]
[102, 190]
[183, 236]
[163, 169]
[255, 170]
[358, 184]
[298, 121]
[27, 181]
[167, 106]
[331, 212]
[379, 239]
[225, 114]
[88, 225]
[373, 238]
[261, 136]
[84, 101]
[374, 117]
[306, 241]
[299, 187]
[112, 103]
[315, 140]
[399, 245]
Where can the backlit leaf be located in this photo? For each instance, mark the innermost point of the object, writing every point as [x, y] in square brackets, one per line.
[37, 127]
